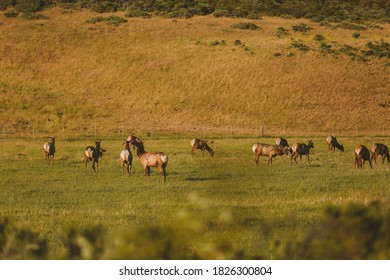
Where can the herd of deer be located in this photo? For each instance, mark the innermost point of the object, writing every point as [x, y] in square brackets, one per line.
[160, 159]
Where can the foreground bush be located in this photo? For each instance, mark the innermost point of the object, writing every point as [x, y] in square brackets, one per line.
[348, 232]
[18, 243]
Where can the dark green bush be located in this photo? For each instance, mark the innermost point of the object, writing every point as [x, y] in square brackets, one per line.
[110, 20]
[281, 32]
[352, 26]
[356, 35]
[17, 243]
[299, 45]
[31, 6]
[34, 16]
[100, 7]
[377, 49]
[137, 13]
[11, 14]
[302, 27]
[319, 37]
[245, 25]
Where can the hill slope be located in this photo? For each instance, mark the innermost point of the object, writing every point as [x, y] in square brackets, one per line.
[66, 75]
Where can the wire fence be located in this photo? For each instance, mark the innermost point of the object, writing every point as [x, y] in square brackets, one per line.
[179, 132]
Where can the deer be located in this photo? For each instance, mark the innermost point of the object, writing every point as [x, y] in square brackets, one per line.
[93, 154]
[362, 154]
[333, 144]
[300, 149]
[270, 151]
[134, 140]
[380, 149]
[201, 145]
[126, 158]
[50, 149]
[283, 142]
[148, 160]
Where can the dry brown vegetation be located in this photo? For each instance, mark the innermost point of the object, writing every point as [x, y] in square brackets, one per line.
[64, 74]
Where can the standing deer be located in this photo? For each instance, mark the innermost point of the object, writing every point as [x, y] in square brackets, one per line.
[269, 151]
[147, 159]
[300, 149]
[282, 142]
[126, 158]
[201, 145]
[362, 154]
[92, 154]
[50, 149]
[380, 149]
[333, 144]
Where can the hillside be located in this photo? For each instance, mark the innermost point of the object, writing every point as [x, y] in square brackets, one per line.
[66, 75]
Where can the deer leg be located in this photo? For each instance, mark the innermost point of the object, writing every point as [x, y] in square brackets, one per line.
[257, 159]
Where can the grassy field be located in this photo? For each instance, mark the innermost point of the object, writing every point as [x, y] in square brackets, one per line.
[217, 201]
[172, 75]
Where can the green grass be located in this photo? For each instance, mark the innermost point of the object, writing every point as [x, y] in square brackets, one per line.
[228, 196]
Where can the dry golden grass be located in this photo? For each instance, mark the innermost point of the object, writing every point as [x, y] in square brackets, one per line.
[164, 74]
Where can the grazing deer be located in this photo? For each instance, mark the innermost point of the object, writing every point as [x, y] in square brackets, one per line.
[300, 149]
[50, 149]
[269, 151]
[93, 154]
[159, 160]
[201, 145]
[333, 144]
[380, 149]
[362, 155]
[282, 142]
[126, 158]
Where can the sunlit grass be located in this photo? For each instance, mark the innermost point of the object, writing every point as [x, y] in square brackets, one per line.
[248, 205]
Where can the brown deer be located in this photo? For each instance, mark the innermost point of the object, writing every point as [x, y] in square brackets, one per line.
[50, 149]
[93, 154]
[270, 151]
[333, 144]
[362, 154]
[300, 149]
[282, 142]
[201, 145]
[133, 140]
[126, 158]
[380, 149]
[147, 159]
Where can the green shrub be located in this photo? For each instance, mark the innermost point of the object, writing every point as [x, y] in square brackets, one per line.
[352, 232]
[245, 25]
[84, 244]
[281, 32]
[299, 45]
[34, 16]
[110, 20]
[325, 48]
[30, 6]
[100, 7]
[356, 35]
[352, 26]
[377, 49]
[221, 13]
[137, 13]
[11, 14]
[16, 243]
[218, 43]
[302, 27]
[319, 37]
